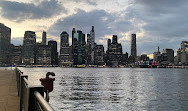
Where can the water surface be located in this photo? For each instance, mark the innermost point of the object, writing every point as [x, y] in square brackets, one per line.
[116, 89]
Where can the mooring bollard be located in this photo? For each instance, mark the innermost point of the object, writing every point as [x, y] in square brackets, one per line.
[48, 84]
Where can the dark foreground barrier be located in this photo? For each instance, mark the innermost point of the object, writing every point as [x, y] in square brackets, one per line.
[31, 96]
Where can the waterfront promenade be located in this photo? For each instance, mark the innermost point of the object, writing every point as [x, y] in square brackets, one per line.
[9, 99]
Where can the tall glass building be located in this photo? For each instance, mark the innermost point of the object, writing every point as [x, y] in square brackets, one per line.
[79, 47]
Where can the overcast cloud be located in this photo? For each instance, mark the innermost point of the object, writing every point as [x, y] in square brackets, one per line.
[20, 11]
[156, 22]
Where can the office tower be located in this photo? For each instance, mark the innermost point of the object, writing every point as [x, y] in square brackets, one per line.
[114, 53]
[16, 55]
[44, 38]
[179, 55]
[79, 47]
[65, 59]
[54, 53]
[99, 55]
[114, 39]
[43, 55]
[125, 59]
[157, 55]
[92, 37]
[5, 38]
[133, 46]
[73, 31]
[184, 52]
[91, 45]
[170, 55]
[108, 42]
[29, 45]
[177, 59]
[88, 50]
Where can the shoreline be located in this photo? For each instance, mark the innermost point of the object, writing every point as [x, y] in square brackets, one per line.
[161, 67]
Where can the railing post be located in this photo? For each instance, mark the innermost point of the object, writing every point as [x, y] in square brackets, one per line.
[21, 89]
[32, 100]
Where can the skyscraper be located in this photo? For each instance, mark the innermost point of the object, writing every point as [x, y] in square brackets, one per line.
[73, 31]
[54, 53]
[133, 46]
[92, 42]
[43, 55]
[99, 55]
[157, 55]
[5, 38]
[29, 48]
[79, 48]
[65, 58]
[184, 50]
[44, 38]
[170, 55]
[16, 54]
[114, 52]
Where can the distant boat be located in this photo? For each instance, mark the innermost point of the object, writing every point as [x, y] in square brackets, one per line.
[81, 66]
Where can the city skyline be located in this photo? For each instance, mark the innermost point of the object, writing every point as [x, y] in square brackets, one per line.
[154, 22]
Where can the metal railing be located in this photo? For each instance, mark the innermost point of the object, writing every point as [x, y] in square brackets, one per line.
[31, 96]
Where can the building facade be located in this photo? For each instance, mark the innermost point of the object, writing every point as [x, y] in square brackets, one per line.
[65, 58]
[54, 53]
[99, 55]
[133, 47]
[44, 38]
[43, 55]
[16, 55]
[5, 40]
[170, 55]
[114, 53]
[184, 52]
[79, 48]
[29, 48]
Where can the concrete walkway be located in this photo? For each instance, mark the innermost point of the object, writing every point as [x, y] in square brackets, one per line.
[9, 100]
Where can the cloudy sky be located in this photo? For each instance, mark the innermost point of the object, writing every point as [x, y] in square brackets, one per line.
[156, 22]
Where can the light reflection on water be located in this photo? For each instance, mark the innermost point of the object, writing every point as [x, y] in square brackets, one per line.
[116, 89]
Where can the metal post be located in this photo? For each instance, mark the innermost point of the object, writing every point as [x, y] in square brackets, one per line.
[21, 89]
[32, 100]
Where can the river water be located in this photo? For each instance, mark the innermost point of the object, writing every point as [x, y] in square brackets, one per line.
[116, 89]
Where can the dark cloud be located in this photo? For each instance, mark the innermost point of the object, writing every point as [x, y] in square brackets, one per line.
[20, 11]
[105, 23]
[163, 18]
[164, 23]
[90, 2]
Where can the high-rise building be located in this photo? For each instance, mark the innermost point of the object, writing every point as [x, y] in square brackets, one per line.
[5, 39]
[16, 55]
[133, 46]
[125, 59]
[184, 52]
[73, 31]
[91, 45]
[79, 48]
[29, 49]
[65, 58]
[157, 55]
[99, 55]
[170, 55]
[54, 53]
[88, 50]
[43, 55]
[114, 53]
[44, 38]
